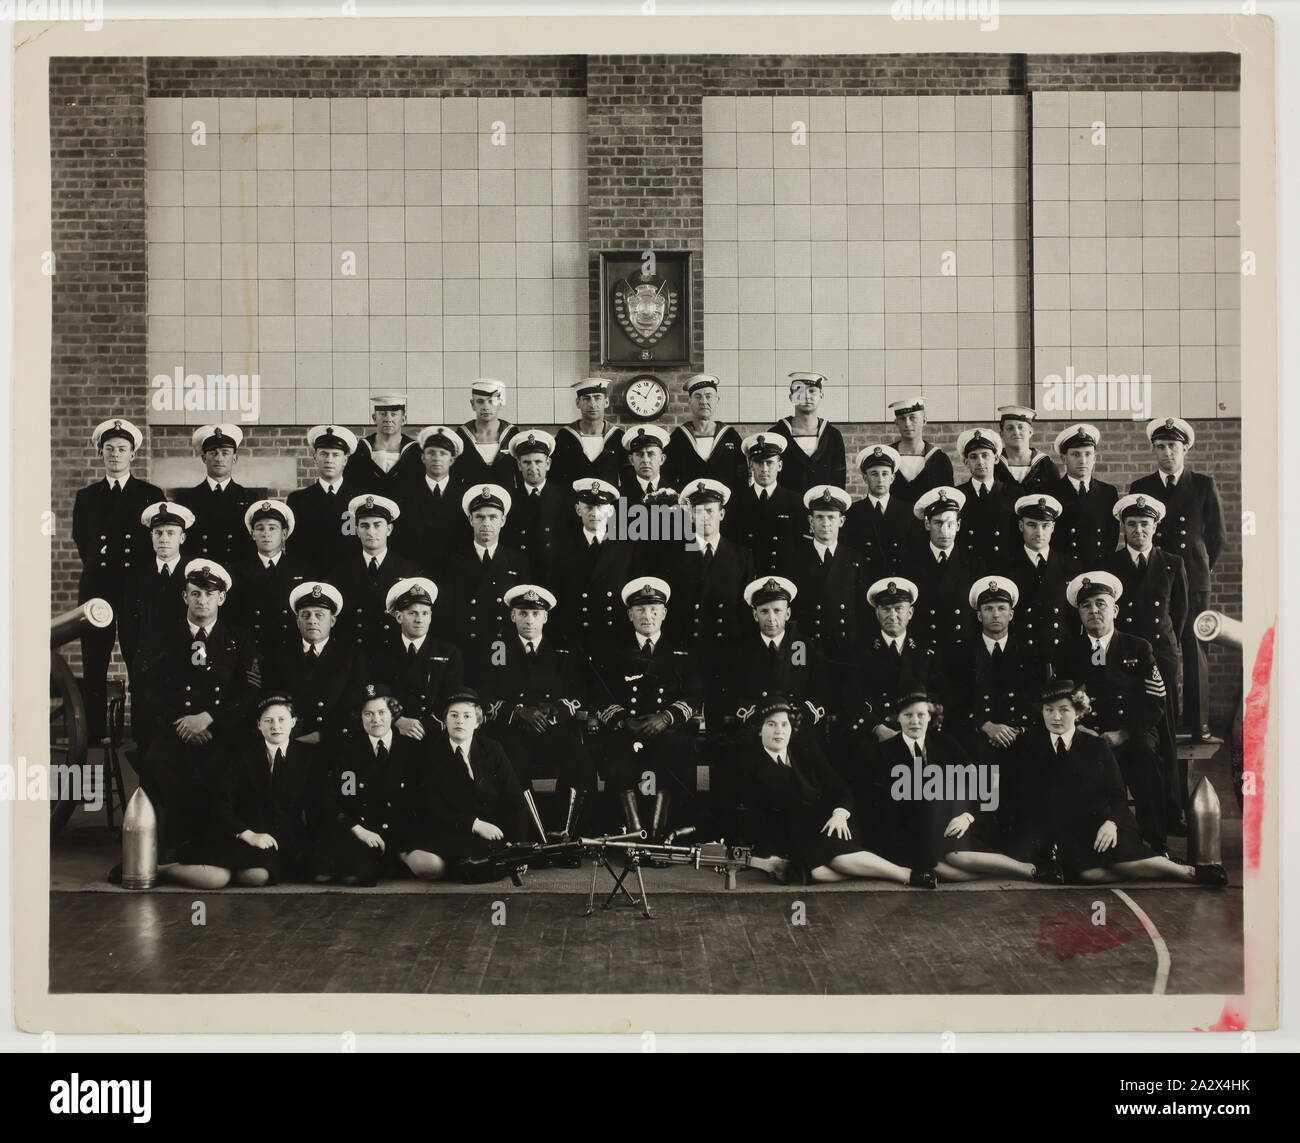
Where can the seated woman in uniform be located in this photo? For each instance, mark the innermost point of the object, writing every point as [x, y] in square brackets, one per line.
[361, 833]
[259, 833]
[804, 809]
[1075, 802]
[462, 797]
[940, 810]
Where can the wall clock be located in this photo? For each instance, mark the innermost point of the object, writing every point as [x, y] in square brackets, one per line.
[645, 397]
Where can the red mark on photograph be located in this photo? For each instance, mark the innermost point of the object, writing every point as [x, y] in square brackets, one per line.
[1073, 934]
[1254, 730]
[1230, 1020]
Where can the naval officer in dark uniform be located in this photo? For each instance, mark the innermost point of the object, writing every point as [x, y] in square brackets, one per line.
[432, 523]
[880, 525]
[654, 688]
[1120, 674]
[1193, 531]
[369, 570]
[152, 594]
[486, 438]
[592, 567]
[1021, 465]
[942, 571]
[922, 464]
[421, 670]
[542, 516]
[384, 461]
[764, 515]
[323, 673]
[1043, 618]
[218, 501]
[1086, 532]
[112, 541]
[988, 529]
[646, 472]
[815, 448]
[321, 507]
[534, 692]
[259, 600]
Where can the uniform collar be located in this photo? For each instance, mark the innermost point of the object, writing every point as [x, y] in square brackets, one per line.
[378, 557]
[479, 550]
[883, 501]
[194, 628]
[935, 553]
[1104, 640]
[591, 537]
[1133, 553]
[1032, 556]
[440, 485]
[537, 643]
[386, 742]
[270, 561]
[326, 485]
[642, 640]
[213, 485]
[1068, 739]
[170, 564]
[320, 647]
[989, 644]
[416, 643]
[819, 547]
[121, 480]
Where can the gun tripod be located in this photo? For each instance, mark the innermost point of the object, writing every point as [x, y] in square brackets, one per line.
[631, 862]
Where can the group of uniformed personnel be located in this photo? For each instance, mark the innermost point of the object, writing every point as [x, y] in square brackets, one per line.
[455, 615]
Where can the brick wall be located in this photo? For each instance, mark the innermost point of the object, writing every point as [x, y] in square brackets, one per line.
[1135, 71]
[305, 77]
[956, 73]
[99, 285]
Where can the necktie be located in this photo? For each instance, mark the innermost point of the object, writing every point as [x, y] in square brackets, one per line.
[1042, 563]
[373, 567]
[534, 494]
[460, 757]
[772, 649]
[115, 490]
[1141, 564]
[1083, 489]
[201, 635]
[381, 755]
[165, 572]
[279, 757]
[916, 747]
[270, 565]
[979, 492]
[647, 649]
[329, 491]
[311, 654]
[826, 556]
[487, 558]
[410, 652]
[649, 488]
[594, 542]
[217, 489]
[898, 649]
[1060, 747]
[880, 510]
[780, 760]
[997, 653]
[437, 492]
[708, 556]
[1170, 481]
[762, 495]
[943, 558]
[529, 649]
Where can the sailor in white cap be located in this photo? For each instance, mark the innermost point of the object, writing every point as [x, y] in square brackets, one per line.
[763, 514]
[477, 576]
[592, 445]
[422, 669]
[1192, 530]
[645, 445]
[653, 693]
[704, 445]
[987, 531]
[532, 699]
[816, 452]
[151, 595]
[370, 569]
[486, 436]
[322, 673]
[196, 683]
[593, 566]
[111, 541]
[1043, 616]
[262, 582]
[321, 506]
[1120, 674]
[922, 464]
[1021, 464]
[218, 501]
[879, 525]
[830, 576]
[1087, 531]
[1155, 609]
[943, 570]
[386, 459]
[541, 512]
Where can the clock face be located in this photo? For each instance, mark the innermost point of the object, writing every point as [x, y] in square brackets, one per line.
[645, 397]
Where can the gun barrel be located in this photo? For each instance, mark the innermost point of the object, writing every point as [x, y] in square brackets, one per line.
[76, 622]
[1215, 627]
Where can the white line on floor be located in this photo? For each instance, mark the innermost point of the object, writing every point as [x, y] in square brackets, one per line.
[1162, 949]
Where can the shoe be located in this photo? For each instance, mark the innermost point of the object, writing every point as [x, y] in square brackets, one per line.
[1049, 873]
[922, 879]
[1211, 876]
[115, 875]
[780, 872]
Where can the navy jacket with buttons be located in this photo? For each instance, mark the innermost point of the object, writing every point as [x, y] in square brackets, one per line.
[1193, 525]
[110, 538]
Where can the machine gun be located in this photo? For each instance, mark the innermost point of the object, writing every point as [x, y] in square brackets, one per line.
[514, 860]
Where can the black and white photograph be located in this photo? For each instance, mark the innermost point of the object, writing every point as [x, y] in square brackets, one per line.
[604, 513]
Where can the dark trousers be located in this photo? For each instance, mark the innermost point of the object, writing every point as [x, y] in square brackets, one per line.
[1144, 774]
[1196, 667]
[96, 654]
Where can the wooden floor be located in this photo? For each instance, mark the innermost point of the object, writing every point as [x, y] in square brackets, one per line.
[729, 943]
